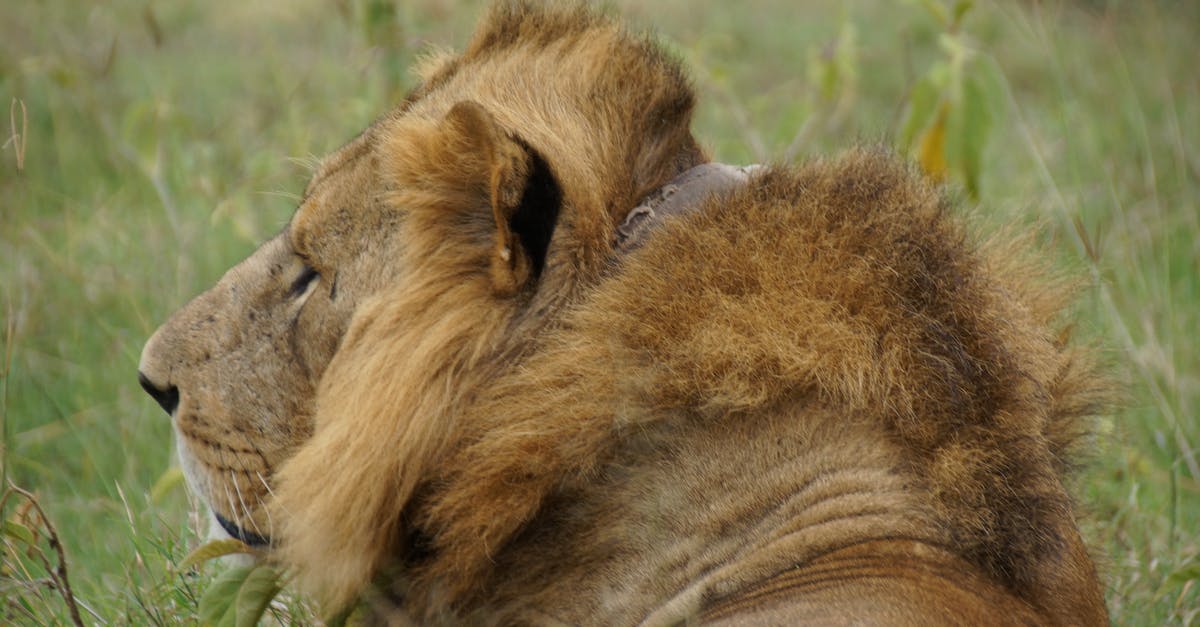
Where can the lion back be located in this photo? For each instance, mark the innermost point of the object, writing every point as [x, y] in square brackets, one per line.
[846, 288]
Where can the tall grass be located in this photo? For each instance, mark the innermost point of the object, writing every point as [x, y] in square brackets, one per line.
[151, 145]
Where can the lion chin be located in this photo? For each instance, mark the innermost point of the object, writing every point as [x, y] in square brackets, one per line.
[516, 359]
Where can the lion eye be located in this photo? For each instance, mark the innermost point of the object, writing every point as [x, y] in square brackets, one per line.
[300, 285]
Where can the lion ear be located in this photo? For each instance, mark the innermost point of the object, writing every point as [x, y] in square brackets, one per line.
[523, 193]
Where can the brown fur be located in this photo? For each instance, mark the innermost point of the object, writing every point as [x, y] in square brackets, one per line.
[821, 378]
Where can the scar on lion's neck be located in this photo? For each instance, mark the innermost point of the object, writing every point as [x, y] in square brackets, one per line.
[683, 195]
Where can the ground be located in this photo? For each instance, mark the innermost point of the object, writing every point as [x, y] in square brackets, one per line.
[160, 142]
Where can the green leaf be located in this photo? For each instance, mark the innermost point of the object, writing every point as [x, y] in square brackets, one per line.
[20, 532]
[260, 586]
[967, 129]
[213, 550]
[922, 104]
[960, 9]
[823, 77]
[1190, 571]
[931, 146]
[993, 85]
[833, 70]
[1185, 574]
[217, 604]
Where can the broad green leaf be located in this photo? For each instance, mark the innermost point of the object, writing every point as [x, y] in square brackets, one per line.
[1185, 574]
[960, 9]
[167, 482]
[931, 146]
[217, 604]
[980, 119]
[955, 140]
[922, 105]
[967, 128]
[212, 550]
[833, 70]
[260, 586]
[1179, 577]
[823, 75]
[994, 86]
[20, 532]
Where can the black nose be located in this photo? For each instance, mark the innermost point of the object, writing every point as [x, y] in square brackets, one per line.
[167, 397]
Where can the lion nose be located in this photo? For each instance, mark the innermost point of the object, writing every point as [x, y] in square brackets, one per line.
[167, 397]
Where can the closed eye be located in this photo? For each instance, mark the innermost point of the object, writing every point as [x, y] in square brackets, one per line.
[300, 285]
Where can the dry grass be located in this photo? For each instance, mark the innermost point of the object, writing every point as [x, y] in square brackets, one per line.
[151, 145]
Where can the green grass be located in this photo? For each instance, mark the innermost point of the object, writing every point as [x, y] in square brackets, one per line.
[163, 143]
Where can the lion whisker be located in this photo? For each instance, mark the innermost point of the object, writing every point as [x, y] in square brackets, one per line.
[270, 521]
[235, 518]
[242, 501]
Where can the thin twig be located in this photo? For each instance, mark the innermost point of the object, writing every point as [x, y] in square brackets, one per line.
[59, 574]
[18, 140]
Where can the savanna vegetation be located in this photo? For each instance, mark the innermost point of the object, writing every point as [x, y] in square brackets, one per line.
[150, 145]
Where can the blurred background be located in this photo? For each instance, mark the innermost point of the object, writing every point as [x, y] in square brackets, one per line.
[149, 145]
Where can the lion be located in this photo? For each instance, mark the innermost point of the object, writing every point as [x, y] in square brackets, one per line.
[521, 357]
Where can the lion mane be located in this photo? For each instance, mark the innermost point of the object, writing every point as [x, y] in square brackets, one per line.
[817, 398]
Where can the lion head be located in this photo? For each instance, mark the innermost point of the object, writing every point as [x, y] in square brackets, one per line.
[446, 376]
[454, 226]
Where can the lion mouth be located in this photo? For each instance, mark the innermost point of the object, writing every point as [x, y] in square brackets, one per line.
[248, 537]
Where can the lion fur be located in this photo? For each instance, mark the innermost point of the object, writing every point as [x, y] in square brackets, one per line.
[842, 285]
[435, 163]
[826, 359]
